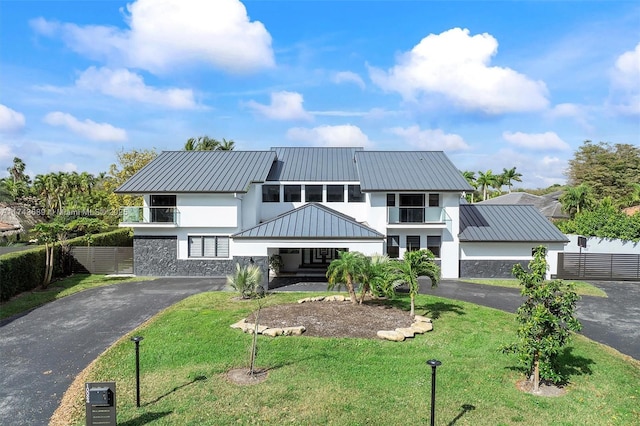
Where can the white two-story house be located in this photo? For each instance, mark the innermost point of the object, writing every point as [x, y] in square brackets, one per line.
[205, 211]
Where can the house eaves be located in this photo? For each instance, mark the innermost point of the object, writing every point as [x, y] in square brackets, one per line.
[311, 221]
[408, 171]
[201, 172]
[506, 223]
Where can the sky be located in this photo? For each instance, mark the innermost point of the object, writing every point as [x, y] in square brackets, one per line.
[494, 85]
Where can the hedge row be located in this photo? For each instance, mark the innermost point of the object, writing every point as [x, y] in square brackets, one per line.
[24, 270]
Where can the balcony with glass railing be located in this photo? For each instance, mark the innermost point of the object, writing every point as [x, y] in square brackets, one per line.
[149, 216]
[434, 216]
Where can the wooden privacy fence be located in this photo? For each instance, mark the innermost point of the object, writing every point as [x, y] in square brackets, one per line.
[102, 260]
[599, 266]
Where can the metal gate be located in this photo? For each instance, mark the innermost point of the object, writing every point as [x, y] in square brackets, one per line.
[599, 266]
[102, 260]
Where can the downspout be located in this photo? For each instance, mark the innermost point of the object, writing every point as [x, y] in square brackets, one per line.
[237, 197]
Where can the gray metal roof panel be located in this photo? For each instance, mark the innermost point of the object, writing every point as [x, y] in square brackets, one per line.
[509, 223]
[200, 171]
[311, 221]
[408, 171]
[314, 164]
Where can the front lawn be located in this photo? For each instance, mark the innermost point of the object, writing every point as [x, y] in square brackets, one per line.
[188, 349]
[581, 287]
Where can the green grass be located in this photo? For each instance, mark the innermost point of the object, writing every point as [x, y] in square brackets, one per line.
[188, 348]
[581, 287]
[56, 290]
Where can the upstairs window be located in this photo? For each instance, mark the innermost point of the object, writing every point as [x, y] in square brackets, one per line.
[391, 200]
[335, 193]
[292, 193]
[411, 200]
[434, 200]
[355, 194]
[270, 193]
[313, 193]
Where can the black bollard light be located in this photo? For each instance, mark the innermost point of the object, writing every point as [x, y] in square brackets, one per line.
[137, 340]
[434, 363]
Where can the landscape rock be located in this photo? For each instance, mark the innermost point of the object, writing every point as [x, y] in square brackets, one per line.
[273, 332]
[420, 318]
[240, 324]
[392, 335]
[293, 331]
[406, 331]
[250, 328]
[422, 327]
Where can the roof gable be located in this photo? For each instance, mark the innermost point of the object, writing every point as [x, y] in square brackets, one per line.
[312, 164]
[508, 223]
[311, 221]
[201, 171]
[408, 171]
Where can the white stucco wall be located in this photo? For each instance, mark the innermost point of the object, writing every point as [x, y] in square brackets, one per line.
[259, 247]
[602, 245]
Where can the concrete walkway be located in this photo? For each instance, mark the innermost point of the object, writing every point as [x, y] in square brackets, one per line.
[42, 352]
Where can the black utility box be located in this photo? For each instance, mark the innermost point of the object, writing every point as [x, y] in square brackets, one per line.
[101, 397]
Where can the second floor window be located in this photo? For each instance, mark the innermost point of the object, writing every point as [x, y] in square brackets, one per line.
[335, 193]
[313, 193]
[292, 193]
[270, 193]
[355, 194]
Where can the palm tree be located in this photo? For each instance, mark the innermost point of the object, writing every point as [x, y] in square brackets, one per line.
[471, 178]
[17, 170]
[226, 145]
[377, 277]
[245, 280]
[485, 180]
[416, 264]
[348, 267]
[511, 175]
[202, 143]
[576, 198]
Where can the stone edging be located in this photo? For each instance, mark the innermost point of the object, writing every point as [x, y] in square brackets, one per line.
[420, 325]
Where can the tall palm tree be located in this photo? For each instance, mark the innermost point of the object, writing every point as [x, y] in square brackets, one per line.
[416, 264]
[202, 143]
[485, 180]
[471, 178]
[348, 267]
[226, 145]
[17, 170]
[509, 175]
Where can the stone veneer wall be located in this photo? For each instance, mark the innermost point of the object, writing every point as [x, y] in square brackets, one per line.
[489, 268]
[158, 257]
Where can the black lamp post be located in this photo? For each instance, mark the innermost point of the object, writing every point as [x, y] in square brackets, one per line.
[137, 340]
[434, 363]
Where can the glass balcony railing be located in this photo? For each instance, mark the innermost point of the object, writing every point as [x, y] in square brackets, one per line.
[425, 215]
[149, 215]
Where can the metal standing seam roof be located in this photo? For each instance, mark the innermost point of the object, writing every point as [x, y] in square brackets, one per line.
[201, 171]
[507, 223]
[313, 164]
[408, 171]
[313, 221]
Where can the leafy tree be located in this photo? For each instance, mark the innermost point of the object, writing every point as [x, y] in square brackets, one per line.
[17, 171]
[415, 264]
[49, 234]
[576, 198]
[545, 319]
[246, 280]
[348, 267]
[609, 170]
[509, 175]
[129, 163]
[604, 221]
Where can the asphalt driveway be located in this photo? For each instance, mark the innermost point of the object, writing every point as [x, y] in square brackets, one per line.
[42, 351]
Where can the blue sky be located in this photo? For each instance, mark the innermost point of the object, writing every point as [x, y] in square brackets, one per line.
[493, 84]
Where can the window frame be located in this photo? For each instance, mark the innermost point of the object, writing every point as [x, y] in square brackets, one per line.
[410, 246]
[431, 244]
[395, 252]
[292, 197]
[353, 197]
[330, 195]
[266, 193]
[307, 199]
[391, 200]
[434, 200]
[220, 244]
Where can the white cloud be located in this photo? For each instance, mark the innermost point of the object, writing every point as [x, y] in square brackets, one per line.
[456, 66]
[349, 77]
[124, 84]
[536, 141]
[283, 106]
[430, 139]
[10, 120]
[66, 167]
[342, 135]
[5, 152]
[87, 128]
[165, 34]
[625, 81]
[576, 112]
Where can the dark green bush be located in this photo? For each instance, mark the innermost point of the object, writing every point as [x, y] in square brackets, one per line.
[24, 270]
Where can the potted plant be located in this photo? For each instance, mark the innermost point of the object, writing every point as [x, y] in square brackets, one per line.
[275, 263]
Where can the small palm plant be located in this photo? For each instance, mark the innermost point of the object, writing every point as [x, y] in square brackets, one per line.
[347, 268]
[246, 280]
[416, 264]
